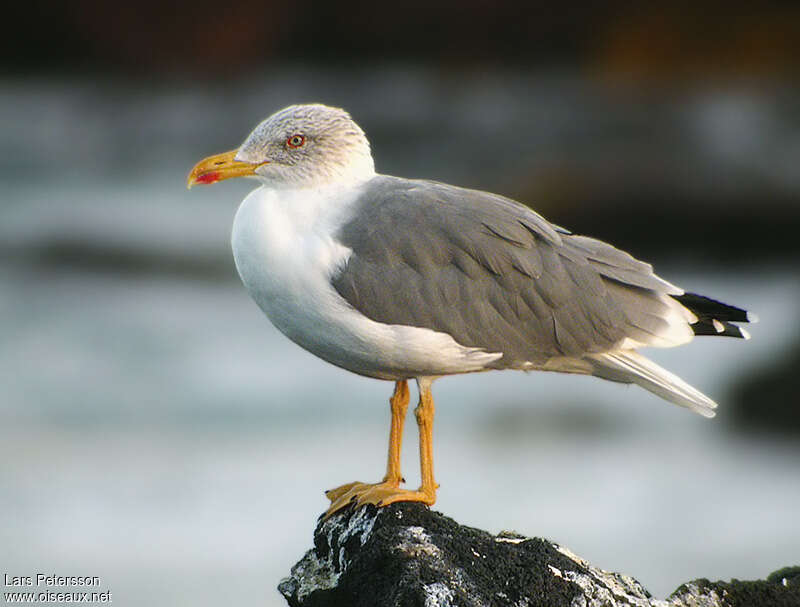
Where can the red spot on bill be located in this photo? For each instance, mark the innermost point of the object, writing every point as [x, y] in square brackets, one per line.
[210, 177]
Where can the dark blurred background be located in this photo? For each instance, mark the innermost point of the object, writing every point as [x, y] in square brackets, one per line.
[159, 433]
[674, 109]
[623, 39]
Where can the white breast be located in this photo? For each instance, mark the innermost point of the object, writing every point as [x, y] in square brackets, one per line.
[285, 251]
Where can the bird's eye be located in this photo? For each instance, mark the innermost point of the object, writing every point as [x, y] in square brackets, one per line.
[295, 141]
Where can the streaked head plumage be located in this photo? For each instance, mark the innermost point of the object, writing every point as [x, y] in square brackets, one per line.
[308, 145]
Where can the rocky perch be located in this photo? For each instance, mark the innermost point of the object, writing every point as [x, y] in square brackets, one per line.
[406, 555]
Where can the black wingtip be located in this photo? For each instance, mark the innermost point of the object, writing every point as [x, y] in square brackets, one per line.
[705, 307]
[715, 317]
[719, 328]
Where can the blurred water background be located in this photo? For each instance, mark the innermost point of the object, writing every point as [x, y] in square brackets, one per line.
[158, 432]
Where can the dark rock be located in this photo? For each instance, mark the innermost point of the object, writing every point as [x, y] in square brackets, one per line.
[406, 555]
[781, 588]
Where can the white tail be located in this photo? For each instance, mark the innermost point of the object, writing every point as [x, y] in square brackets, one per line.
[631, 367]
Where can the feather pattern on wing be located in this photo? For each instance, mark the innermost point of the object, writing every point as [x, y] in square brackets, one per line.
[495, 275]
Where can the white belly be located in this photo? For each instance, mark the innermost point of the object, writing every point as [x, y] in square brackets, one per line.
[285, 254]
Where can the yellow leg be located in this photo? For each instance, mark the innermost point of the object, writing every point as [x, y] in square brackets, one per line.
[388, 491]
[399, 406]
[427, 492]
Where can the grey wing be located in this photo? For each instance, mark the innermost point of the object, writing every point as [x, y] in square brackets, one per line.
[494, 275]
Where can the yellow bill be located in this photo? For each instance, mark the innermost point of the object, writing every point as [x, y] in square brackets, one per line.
[222, 166]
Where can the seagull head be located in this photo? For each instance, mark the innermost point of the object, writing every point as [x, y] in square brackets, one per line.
[300, 146]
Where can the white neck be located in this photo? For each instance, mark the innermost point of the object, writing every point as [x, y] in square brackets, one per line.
[360, 169]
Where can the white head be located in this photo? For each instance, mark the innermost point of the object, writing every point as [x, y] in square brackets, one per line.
[300, 146]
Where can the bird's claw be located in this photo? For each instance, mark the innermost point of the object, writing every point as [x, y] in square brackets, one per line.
[378, 494]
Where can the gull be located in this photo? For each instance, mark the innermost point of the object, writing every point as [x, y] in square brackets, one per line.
[400, 279]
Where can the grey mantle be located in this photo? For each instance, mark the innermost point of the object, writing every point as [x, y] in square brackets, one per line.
[407, 555]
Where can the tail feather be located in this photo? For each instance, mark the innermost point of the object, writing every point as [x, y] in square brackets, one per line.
[630, 367]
